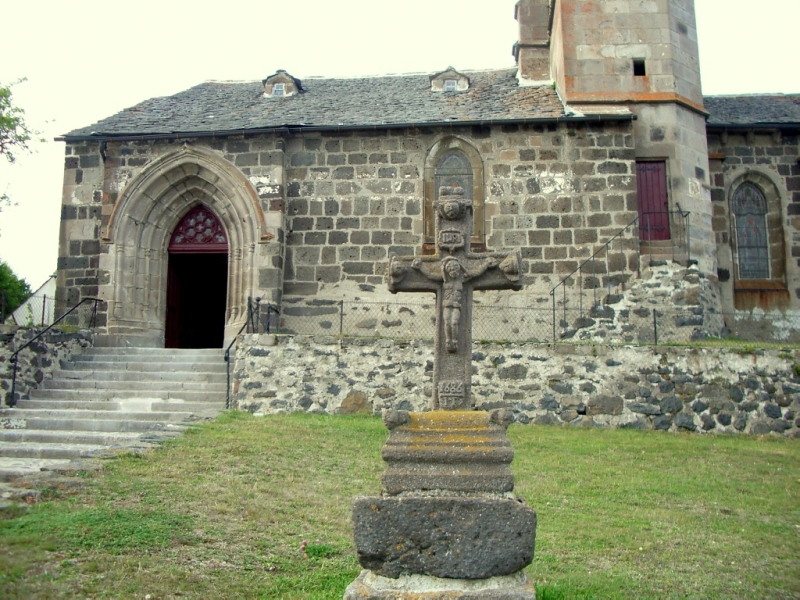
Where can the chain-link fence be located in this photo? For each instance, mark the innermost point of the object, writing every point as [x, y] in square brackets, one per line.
[539, 324]
[36, 311]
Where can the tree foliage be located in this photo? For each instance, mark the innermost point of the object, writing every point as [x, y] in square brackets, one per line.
[13, 290]
[14, 131]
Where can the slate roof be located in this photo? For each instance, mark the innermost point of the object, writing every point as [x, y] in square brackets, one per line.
[767, 110]
[331, 103]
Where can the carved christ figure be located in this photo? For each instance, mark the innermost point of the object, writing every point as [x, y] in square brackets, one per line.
[453, 273]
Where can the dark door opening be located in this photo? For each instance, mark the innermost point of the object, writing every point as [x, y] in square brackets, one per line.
[196, 300]
[197, 282]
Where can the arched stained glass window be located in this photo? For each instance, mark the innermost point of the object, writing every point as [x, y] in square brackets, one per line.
[749, 207]
[454, 171]
[199, 231]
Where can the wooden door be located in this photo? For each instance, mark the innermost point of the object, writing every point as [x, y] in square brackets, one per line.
[652, 200]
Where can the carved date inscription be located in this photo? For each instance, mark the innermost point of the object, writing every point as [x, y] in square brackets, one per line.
[451, 240]
[451, 394]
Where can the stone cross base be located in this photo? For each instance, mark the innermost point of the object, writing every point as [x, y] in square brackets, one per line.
[369, 586]
[447, 524]
[459, 451]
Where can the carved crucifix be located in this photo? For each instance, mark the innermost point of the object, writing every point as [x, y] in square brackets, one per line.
[452, 274]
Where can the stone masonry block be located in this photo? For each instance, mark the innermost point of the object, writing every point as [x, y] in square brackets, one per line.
[444, 536]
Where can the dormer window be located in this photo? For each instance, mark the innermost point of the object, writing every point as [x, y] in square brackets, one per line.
[281, 84]
[449, 80]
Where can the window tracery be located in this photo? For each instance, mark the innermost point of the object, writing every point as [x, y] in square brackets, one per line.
[749, 207]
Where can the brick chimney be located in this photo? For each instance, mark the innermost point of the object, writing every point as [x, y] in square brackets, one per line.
[532, 51]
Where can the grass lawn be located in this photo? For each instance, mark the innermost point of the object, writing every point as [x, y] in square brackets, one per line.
[250, 507]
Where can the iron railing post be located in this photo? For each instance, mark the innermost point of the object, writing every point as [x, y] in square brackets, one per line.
[226, 356]
[14, 358]
[655, 327]
[688, 221]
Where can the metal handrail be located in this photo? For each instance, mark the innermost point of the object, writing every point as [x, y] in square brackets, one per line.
[15, 356]
[253, 314]
[579, 269]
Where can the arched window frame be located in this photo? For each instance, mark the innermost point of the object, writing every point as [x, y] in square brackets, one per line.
[762, 185]
[442, 152]
[749, 210]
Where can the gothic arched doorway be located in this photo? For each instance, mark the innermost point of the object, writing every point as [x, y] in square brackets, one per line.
[197, 277]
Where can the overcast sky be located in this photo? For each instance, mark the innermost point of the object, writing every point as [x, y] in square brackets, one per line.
[90, 59]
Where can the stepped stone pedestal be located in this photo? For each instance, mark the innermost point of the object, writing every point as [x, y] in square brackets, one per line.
[447, 524]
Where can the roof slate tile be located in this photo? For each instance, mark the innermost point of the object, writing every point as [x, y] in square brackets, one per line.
[753, 110]
[397, 100]
[369, 101]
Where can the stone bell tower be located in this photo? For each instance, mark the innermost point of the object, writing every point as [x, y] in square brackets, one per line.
[637, 56]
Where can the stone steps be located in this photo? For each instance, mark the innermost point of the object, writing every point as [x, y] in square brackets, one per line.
[143, 404]
[657, 251]
[99, 395]
[138, 363]
[53, 436]
[153, 375]
[12, 469]
[40, 415]
[81, 423]
[133, 386]
[105, 401]
[49, 450]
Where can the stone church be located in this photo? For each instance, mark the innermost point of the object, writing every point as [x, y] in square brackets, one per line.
[297, 191]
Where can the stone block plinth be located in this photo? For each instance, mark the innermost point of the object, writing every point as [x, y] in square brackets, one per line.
[369, 586]
[443, 536]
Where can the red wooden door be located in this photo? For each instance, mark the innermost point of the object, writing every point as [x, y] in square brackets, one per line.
[651, 195]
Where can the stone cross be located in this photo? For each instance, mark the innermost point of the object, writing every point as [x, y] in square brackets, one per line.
[453, 273]
[447, 524]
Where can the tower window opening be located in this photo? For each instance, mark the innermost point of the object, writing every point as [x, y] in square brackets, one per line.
[639, 68]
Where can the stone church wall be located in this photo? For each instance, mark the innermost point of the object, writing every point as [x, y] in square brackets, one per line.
[94, 263]
[341, 202]
[583, 385]
[81, 215]
[556, 192]
[768, 159]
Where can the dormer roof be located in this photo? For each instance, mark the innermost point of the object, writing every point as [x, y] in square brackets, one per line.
[281, 83]
[449, 80]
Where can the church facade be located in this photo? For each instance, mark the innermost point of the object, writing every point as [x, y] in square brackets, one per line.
[298, 192]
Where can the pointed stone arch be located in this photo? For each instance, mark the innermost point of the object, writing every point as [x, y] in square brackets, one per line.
[758, 243]
[443, 156]
[139, 230]
[750, 192]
